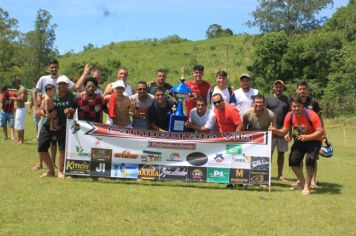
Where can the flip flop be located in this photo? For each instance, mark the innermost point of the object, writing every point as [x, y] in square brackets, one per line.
[37, 167]
[296, 187]
[47, 174]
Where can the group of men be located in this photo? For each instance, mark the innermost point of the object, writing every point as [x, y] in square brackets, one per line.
[217, 108]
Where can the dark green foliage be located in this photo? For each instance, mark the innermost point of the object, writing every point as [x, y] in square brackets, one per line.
[216, 31]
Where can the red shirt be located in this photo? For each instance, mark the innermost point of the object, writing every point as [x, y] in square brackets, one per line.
[7, 104]
[198, 89]
[227, 119]
[303, 124]
[91, 109]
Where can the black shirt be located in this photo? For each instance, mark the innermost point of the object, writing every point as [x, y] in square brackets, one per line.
[160, 116]
[280, 106]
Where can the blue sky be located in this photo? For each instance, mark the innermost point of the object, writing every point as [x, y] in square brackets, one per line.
[101, 22]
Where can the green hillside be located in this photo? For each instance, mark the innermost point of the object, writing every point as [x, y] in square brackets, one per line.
[143, 58]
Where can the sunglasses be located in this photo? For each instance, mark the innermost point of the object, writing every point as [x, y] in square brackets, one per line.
[217, 102]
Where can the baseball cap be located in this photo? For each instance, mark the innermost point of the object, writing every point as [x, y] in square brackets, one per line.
[63, 79]
[278, 81]
[118, 83]
[245, 75]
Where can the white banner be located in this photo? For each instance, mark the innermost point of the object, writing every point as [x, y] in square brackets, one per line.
[100, 150]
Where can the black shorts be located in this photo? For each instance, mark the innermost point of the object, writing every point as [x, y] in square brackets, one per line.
[46, 137]
[300, 149]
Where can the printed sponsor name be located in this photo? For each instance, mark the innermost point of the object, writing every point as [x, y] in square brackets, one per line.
[173, 172]
[197, 174]
[77, 167]
[239, 176]
[148, 172]
[180, 146]
[197, 159]
[126, 154]
[259, 163]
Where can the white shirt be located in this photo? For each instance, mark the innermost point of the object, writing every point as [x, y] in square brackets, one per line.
[225, 95]
[244, 100]
[207, 120]
[47, 79]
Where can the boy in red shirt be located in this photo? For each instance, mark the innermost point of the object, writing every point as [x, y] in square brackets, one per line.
[7, 111]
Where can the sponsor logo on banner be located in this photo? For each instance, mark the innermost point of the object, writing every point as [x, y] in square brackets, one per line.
[148, 172]
[126, 154]
[151, 156]
[220, 160]
[259, 163]
[77, 167]
[197, 174]
[239, 176]
[100, 162]
[197, 159]
[179, 146]
[234, 149]
[246, 137]
[259, 177]
[241, 161]
[124, 170]
[81, 153]
[175, 157]
[173, 172]
[75, 127]
[218, 175]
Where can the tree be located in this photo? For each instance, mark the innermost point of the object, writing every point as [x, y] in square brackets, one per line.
[8, 47]
[40, 44]
[267, 60]
[215, 31]
[290, 16]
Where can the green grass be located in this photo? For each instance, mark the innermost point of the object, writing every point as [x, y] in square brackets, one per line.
[30, 205]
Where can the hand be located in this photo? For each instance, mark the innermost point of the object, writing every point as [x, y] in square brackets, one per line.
[87, 68]
[150, 83]
[303, 137]
[287, 138]
[69, 111]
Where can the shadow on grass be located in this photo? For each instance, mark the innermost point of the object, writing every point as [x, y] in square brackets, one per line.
[323, 188]
[175, 184]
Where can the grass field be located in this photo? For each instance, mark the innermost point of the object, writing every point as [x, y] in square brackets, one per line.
[30, 205]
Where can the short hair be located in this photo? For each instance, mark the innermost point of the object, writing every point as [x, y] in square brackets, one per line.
[218, 94]
[198, 68]
[159, 90]
[4, 88]
[142, 82]
[90, 79]
[49, 87]
[303, 83]
[296, 99]
[221, 73]
[162, 71]
[16, 81]
[258, 96]
[95, 70]
[202, 99]
[53, 61]
[123, 68]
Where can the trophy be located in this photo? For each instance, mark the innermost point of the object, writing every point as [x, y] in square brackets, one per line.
[178, 118]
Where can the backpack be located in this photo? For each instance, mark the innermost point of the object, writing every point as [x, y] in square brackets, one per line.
[231, 93]
[306, 114]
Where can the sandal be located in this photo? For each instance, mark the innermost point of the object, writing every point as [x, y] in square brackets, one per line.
[296, 187]
[37, 167]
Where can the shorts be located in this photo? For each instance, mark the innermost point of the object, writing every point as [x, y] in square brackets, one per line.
[310, 149]
[46, 136]
[282, 145]
[7, 118]
[109, 121]
[20, 118]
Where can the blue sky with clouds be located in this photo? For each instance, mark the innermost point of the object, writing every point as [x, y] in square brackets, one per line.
[101, 22]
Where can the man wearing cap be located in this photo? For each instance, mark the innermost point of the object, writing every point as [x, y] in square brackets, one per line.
[244, 94]
[65, 105]
[122, 74]
[198, 86]
[120, 106]
[227, 116]
[53, 68]
[279, 104]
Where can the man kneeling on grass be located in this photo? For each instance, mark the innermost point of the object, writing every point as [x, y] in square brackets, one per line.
[307, 133]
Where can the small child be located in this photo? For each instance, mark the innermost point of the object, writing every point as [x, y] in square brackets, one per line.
[48, 105]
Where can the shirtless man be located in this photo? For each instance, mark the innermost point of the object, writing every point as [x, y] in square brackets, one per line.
[20, 110]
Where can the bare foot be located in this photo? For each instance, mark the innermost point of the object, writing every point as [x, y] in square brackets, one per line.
[47, 174]
[282, 179]
[37, 167]
[60, 175]
[305, 192]
[296, 187]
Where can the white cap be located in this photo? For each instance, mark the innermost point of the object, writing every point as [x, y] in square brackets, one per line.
[63, 79]
[245, 75]
[118, 83]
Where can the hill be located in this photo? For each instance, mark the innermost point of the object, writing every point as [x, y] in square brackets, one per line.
[143, 58]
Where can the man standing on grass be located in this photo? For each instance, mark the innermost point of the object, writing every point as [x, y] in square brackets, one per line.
[7, 111]
[142, 101]
[311, 104]
[279, 104]
[20, 110]
[65, 106]
[307, 132]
